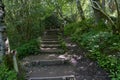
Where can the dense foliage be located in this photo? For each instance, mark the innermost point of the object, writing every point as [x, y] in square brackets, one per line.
[23, 20]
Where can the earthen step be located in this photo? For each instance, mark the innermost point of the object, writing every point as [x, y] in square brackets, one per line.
[50, 45]
[51, 51]
[49, 42]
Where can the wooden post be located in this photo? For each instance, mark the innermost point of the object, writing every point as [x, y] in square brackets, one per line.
[15, 61]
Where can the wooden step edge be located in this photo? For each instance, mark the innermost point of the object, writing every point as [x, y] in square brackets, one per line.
[52, 51]
[50, 45]
[50, 39]
[47, 63]
[50, 42]
[69, 77]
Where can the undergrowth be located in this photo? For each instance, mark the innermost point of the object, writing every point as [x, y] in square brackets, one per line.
[62, 44]
[103, 46]
[29, 48]
[6, 74]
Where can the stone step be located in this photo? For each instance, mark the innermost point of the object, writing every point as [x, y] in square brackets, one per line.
[56, 38]
[46, 62]
[49, 42]
[50, 45]
[41, 57]
[50, 71]
[51, 35]
[50, 39]
[70, 77]
[53, 29]
[47, 34]
[43, 60]
[52, 32]
[51, 51]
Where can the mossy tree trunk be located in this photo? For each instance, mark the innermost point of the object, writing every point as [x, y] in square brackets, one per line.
[80, 10]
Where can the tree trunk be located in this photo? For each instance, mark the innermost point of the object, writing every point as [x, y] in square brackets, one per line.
[97, 14]
[2, 31]
[80, 10]
[118, 17]
[112, 6]
[103, 5]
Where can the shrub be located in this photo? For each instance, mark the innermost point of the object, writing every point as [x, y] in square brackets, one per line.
[29, 48]
[62, 43]
[70, 28]
[6, 74]
[8, 61]
[78, 28]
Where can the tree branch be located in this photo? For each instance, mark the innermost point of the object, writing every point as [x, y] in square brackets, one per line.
[98, 8]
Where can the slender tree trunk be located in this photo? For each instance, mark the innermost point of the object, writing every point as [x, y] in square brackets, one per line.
[112, 6]
[80, 10]
[97, 14]
[103, 5]
[118, 17]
